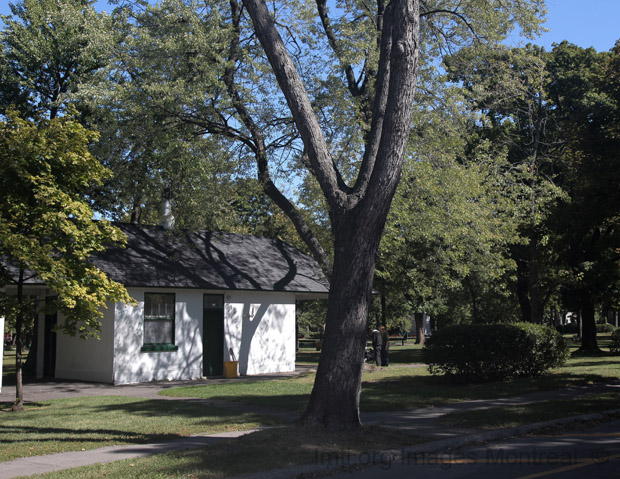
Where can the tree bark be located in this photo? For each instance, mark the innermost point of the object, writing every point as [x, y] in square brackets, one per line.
[523, 290]
[358, 214]
[536, 301]
[589, 342]
[334, 402]
[531, 299]
[419, 328]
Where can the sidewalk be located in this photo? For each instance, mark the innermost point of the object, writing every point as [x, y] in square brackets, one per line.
[58, 389]
[422, 421]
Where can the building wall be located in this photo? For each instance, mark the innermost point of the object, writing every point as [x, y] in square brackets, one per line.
[86, 359]
[258, 326]
[260, 329]
[132, 365]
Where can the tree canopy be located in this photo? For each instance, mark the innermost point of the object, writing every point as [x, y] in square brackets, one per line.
[46, 225]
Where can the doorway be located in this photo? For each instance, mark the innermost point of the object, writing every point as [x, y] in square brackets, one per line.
[213, 335]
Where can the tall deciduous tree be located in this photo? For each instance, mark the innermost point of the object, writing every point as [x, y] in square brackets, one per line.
[324, 89]
[448, 236]
[46, 226]
[585, 90]
[358, 212]
[50, 47]
[509, 89]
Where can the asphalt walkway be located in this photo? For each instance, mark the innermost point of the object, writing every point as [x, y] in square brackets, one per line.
[421, 421]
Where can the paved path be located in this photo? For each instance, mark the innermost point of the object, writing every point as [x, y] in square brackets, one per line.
[59, 389]
[591, 452]
[65, 460]
[421, 421]
[424, 421]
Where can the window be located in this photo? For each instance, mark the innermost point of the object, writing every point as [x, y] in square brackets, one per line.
[159, 322]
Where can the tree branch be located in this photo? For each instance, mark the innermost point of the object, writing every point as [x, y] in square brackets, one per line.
[294, 91]
[373, 138]
[260, 153]
[352, 82]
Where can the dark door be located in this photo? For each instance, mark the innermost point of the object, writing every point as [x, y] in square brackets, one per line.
[213, 335]
[49, 345]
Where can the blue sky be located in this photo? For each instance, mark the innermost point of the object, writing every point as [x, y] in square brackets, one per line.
[587, 23]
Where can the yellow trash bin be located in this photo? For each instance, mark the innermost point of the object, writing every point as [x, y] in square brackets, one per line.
[230, 369]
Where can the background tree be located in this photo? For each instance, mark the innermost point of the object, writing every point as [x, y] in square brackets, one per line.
[508, 87]
[50, 48]
[448, 238]
[46, 226]
[585, 92]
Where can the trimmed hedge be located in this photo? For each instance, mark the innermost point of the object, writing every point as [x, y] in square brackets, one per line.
[488, 352]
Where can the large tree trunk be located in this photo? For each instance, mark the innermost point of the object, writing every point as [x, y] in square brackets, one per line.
[589, 342]
[536, 300]
[523, 290]
[358, 213]
[531, 300]
[334, 402]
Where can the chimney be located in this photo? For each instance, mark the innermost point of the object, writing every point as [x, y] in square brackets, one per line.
[167, 220]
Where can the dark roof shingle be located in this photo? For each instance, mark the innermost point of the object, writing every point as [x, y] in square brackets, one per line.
[156, 257]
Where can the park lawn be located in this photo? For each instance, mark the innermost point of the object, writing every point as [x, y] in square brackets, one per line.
[402, 386]
[511, 416]
[91, 422]
[84, 423]
[260, 451]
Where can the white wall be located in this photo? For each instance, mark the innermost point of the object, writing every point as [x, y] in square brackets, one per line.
[260, 328]
[86, 359]
[132, 365]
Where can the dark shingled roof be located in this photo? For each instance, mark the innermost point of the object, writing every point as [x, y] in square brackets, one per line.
[156, 257]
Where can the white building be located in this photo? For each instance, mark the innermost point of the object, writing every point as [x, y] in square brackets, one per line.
[201, 297]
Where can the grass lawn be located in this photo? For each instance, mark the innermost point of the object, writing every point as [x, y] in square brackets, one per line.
[401, 386]
[84, 423]
[92, 422]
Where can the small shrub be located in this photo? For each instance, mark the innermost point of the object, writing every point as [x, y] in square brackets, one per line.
[605, 328]
[488, 352]
[615, 341]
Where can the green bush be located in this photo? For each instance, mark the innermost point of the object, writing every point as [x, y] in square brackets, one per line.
[614, 346]
[488, 352]
[605, 328]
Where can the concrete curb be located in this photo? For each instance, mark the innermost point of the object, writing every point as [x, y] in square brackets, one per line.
[378, 458]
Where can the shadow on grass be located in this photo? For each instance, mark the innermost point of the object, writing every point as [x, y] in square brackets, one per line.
[590, 363]
[65, 425]
[407, 355]
[231, 410]
[7, 406]
[260, 451]
[17, 434]
[403, 392]
[307, 356]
